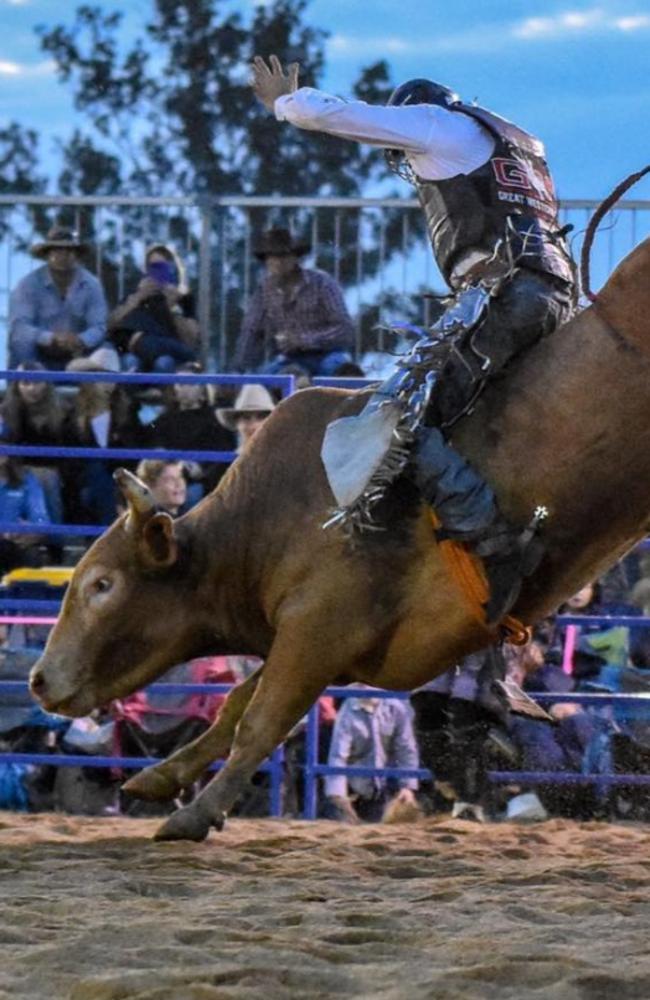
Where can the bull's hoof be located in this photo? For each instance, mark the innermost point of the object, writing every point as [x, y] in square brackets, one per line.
[153, 784]
[186, 824]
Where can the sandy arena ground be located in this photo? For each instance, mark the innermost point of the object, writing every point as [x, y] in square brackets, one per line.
[93, 910]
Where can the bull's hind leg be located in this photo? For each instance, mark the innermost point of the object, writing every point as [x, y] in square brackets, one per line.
[165, 780]
[291, 683]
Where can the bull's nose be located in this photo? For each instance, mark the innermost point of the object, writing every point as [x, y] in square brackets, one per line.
[38, 684]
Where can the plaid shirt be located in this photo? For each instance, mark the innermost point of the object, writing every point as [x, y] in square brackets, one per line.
[312, 313]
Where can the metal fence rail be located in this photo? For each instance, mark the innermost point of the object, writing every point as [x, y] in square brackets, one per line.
[313, 769]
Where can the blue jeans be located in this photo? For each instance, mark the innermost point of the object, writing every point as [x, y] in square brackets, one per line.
[460, 497]
[312, 362]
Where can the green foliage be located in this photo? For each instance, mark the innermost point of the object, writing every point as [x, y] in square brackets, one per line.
[176, 109]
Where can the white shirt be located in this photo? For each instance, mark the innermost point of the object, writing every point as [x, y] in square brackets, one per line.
[437, 143]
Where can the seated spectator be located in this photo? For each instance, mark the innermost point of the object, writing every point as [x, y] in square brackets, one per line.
[370, 732]
[188, 421]
[157, 724]
[154, 329]
[560, 746]
[349, 369]
[600, 650]
[25, 728]
[457, 736]
[58, 311]
[102, 417]
[166, 480]
[251, 408]
[296, 316]
[21, 500]
[35, 413]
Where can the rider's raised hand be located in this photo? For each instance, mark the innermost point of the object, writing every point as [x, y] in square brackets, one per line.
[269, 81]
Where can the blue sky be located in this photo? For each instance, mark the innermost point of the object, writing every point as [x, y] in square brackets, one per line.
[576, 73]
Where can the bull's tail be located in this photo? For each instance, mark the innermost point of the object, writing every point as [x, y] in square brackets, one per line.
[594, 222]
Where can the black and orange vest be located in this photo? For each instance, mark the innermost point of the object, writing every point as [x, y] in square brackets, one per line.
[510, 195]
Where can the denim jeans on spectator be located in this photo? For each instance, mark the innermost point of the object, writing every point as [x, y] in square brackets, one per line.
[313, 362]
[161, 354]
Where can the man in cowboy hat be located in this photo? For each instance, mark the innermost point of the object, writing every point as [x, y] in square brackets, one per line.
[246, 416]
[58, 311]
[297, 316]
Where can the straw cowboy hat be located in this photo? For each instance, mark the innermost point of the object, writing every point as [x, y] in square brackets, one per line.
[103, 359]
[59, 236]
[252, 399]
[279, 243]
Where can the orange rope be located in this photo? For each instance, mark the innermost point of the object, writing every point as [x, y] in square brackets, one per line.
[466, 570]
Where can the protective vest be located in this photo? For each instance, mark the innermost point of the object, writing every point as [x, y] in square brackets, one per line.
[511, 195]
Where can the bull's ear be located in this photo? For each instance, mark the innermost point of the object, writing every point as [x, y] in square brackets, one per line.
[157, 543]
[138, 497]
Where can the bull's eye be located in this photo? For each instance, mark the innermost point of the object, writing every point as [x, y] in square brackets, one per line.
[102, 585]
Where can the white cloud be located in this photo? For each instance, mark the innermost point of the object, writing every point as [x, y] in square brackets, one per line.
[351, 44]
[491, 37]
[44, 68]
[573, 22]
[633, 23]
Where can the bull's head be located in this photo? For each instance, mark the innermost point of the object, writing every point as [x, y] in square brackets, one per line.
[129, 612]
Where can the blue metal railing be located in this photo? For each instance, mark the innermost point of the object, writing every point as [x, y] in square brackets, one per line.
[313, 769]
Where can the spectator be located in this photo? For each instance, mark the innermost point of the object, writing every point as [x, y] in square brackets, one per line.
[166, 480]
[188, 421]
[370, 732]
[158, 724]
[58, 311]
[600, 651]
[349, 369]
[154, 329]
[297, 316]
[21, 500]
[102, 417]
[555, 747]
[35, 413]
[456, 735]
[251, 408]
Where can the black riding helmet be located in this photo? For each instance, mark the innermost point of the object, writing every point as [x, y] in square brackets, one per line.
[417, 91]
[421, 91]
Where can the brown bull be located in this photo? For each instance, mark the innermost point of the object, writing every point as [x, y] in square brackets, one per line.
[251, 569]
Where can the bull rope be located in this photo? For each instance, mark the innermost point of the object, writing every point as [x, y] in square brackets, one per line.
[594, 222]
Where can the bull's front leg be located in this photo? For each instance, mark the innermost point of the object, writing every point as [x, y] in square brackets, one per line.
[290, 684]
[167, 779]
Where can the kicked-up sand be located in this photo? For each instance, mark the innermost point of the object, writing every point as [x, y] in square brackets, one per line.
[92, 909]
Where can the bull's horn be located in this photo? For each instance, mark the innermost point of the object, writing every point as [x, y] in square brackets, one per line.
[137, 495]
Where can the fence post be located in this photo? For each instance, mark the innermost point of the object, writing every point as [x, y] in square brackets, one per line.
[311, 760]
[276, 761]
[205, 280]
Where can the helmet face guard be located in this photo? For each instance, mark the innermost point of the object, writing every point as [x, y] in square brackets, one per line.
[416, 91]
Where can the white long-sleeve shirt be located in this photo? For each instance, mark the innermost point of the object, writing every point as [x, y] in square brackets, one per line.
[437, 143]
